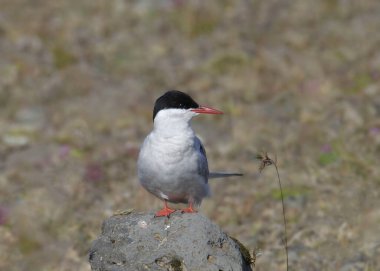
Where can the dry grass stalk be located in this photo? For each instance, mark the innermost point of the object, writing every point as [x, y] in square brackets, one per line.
[265, 162]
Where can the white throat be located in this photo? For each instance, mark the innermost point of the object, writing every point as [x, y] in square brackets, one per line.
[173, 122]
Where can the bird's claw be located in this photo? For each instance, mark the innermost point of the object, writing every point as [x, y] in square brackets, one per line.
[164, 212]
[188, 210]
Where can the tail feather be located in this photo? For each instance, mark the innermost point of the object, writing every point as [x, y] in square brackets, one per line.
[214, 175]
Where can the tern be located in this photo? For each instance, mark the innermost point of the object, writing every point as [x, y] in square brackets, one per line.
[172, 163]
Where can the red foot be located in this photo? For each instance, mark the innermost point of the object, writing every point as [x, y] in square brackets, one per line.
[166, 211]
[189, 209]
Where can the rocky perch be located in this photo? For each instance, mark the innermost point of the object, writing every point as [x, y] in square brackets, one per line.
[139, 241]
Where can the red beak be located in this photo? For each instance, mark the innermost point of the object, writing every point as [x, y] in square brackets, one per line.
[206, 110]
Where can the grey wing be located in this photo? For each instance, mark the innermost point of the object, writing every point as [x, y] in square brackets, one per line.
[202, 160]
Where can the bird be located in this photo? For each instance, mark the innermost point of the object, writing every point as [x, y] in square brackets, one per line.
[172, 162]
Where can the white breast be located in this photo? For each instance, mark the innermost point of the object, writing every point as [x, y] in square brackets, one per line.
[168, 164]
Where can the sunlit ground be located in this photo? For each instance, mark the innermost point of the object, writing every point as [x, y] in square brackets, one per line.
[299, 79]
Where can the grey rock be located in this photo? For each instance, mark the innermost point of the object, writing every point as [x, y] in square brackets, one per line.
[139, 241]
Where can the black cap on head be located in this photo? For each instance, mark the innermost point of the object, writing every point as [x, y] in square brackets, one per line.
[174, 99]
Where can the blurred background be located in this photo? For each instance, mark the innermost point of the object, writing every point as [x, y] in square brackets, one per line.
[300, 79]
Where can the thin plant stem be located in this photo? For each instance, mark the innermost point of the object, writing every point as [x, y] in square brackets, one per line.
[283, 215]
[267, 161]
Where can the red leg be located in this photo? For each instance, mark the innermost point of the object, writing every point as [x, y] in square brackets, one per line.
[166, 211]
[189, 209]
